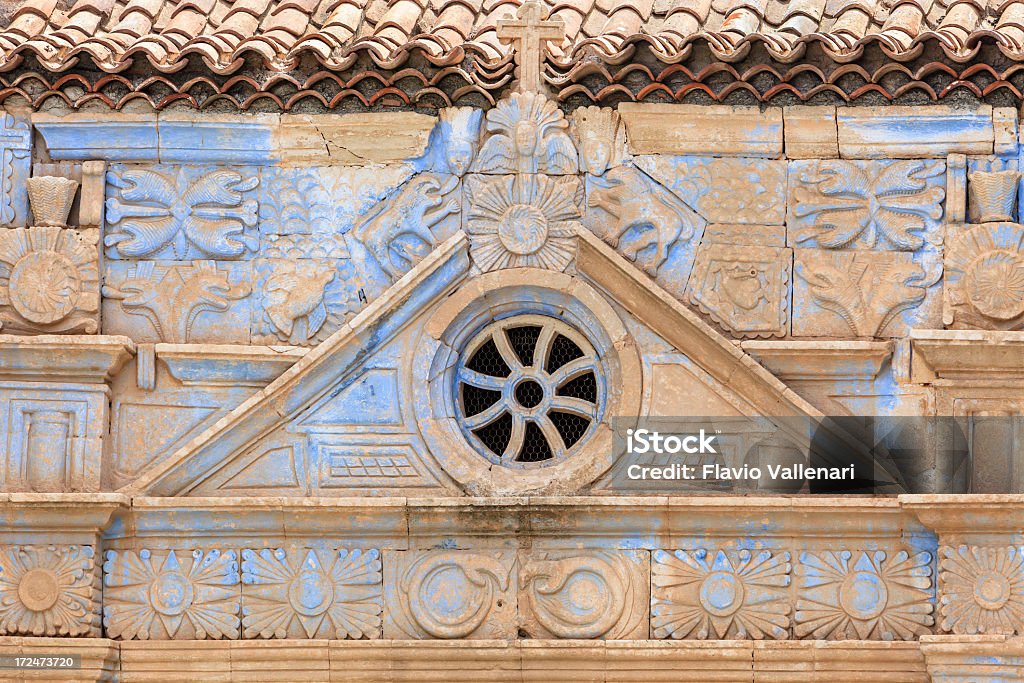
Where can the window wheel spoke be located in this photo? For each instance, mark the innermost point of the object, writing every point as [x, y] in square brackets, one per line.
[543, 346]
[486, 416]
[482, 381]
[504, 347]
[575, 406]
[572, 370]
[554, 438]
[515, 442]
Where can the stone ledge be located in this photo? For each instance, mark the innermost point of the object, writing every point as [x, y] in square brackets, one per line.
[966, 354]
[92, 359]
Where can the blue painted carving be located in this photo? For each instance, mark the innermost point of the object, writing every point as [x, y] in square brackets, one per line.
[16, 153]
[453, 142]
[889, 205]
[302, 301]
[181, 213]
[527, 133]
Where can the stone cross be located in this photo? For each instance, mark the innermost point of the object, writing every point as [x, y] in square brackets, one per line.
[529, 34]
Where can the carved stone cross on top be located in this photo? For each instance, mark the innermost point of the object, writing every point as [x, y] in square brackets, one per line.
[530, 34]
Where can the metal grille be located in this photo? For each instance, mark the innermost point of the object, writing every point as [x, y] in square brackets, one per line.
[527, 390]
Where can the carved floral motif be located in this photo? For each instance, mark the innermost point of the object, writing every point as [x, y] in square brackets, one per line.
[720, 595]
[172, 296]
[180, 213]
[451, 594]
[47, 591]
[862, 294]
[311, 595]
[984, 285]
[596, 595]
[982, 589]
[522, 221]
[743, 289]
[399, 234]
[893, 205]
[848, 595]
[157, 595]
[49, 280]
[642, 220]
[526, 133]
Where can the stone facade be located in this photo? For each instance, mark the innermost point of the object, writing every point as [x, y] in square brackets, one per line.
[308, 396]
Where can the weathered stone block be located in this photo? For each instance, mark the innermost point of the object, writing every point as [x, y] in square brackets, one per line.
[351, 139]
[913, 132]
[696, 129]
[811, 132]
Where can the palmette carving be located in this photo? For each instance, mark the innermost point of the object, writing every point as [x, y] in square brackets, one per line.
[49, 280]
[848, 595]
[181, 213]
[452, 594]
[861, 294]
[984, 285]
[522, 221]
[311, 594]
[595, 595]
[981, 589]
[526, 133]
[891, 205]
[171, 297]
[164, 595]
[638, 217]
[48, 591]
[399, 234]
[993, 195]
[720, 594]
[743, 289]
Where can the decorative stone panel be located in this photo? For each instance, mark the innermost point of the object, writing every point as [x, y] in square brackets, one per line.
[309, 593]
[449, 594]
[302, 302]
[574, 594]
[15, 165]
[863, 595]
[887, 205]
[982, 589]
[864, 293]
[718, 594]
[171, 594]
[49, 590]
[743, 289]
[984, 283]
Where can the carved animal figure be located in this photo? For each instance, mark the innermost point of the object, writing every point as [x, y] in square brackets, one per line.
[650, 216]
[399, 234]
[297, 295]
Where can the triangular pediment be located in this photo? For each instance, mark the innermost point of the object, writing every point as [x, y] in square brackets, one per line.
[338, 402]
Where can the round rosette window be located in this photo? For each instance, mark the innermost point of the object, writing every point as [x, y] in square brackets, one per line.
[528, 390]
[516, 379]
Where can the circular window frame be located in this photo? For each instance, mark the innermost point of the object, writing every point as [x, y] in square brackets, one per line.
[506, 294]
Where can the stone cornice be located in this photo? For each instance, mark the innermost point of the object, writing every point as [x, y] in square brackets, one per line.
[92, 359]
[966, 354]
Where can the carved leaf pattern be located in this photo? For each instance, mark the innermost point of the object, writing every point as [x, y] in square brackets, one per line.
[311, 594]
[47, 591]
[866, 204]
[163, 595]
[982, 589]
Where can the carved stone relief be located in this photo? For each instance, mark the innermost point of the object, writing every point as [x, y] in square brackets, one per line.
[984, 284]
[303, 593]
[302, 302]
[201, 301]
[171, 594]
[864, 294]
[724, 190]
[981, 589]
[181, 212]
[526, 133]
[48, 591]
[863, 595]
[645, 222]
[522, 221]
[743, 289]
[719, 594]
[450, 594]
[888, 205]
[600, 138]
[49, 280]
[570, 594]
[15, 165]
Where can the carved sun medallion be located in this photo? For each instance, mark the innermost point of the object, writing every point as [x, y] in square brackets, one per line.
[527, 390]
